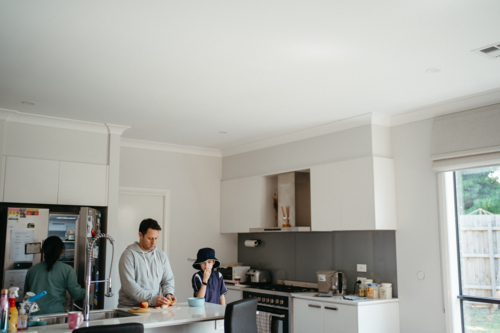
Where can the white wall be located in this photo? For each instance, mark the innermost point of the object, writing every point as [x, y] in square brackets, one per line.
[344, 145]
[417, 235]
[194, 182]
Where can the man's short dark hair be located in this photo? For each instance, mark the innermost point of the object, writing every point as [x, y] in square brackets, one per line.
[148, 224]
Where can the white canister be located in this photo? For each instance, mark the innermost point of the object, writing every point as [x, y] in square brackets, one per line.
[385, 290]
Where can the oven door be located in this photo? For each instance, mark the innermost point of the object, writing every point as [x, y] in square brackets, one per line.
[279, 318]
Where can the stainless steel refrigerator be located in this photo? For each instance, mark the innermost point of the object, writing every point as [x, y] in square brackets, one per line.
[27, 228]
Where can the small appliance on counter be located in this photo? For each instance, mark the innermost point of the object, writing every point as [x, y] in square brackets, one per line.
[259, 276]
[331, 282]
[234, 274]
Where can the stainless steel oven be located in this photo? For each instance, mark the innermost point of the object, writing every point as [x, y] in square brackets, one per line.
[277, 305]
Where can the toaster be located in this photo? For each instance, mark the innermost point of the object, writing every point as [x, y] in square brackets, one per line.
[258, 276]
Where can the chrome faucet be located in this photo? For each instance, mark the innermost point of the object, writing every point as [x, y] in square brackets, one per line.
[88, 277]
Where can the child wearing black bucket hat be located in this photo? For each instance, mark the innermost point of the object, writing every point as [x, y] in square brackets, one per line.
[208, 283]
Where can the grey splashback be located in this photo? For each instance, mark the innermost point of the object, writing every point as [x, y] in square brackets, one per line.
[298, 255]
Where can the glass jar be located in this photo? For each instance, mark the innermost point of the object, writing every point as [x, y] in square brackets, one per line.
[385, 290]
[372, 290]
[364, 285]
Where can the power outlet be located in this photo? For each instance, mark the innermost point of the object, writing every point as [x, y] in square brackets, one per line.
[219, 324]
[362, 279]
[362, 268]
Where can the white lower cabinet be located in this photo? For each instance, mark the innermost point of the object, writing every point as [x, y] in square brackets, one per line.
[312, 316]
[233, 295]
[307, 316]
[340, 318]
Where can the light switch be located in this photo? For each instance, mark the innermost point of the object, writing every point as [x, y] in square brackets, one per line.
[219, 324]
[361, 268]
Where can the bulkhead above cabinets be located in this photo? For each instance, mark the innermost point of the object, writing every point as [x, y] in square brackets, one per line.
[356, 194]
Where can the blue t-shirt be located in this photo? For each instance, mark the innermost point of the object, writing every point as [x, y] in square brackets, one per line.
[215, 288]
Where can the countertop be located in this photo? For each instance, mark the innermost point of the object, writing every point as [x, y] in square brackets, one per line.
[311, 296]
[338, 299]
[179, 314]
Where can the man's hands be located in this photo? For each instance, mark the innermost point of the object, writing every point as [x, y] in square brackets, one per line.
[162, 300]
[206, 275]
[172, 298]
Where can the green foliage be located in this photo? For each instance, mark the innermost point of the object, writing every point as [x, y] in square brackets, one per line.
[481, 190]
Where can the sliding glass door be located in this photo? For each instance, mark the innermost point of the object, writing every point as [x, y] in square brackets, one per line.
[477, 211]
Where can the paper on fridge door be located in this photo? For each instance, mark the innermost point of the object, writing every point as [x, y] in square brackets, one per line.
[18, 240]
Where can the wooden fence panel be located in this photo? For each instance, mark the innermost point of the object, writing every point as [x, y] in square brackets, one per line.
[480, 254]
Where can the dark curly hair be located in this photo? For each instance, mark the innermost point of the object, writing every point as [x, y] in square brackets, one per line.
[52, 248]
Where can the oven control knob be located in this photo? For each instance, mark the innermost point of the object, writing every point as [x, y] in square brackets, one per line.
[272, 301]
[267, 300]
[282, 302]
[259, 299]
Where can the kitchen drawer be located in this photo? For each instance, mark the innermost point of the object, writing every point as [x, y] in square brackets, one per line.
[338, 318]
[307, 316]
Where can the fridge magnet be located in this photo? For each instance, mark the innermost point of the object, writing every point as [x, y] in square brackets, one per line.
[14, 211]
[31, 225]
[23, 213]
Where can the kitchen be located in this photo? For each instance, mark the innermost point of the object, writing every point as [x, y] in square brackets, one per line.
[193, 176]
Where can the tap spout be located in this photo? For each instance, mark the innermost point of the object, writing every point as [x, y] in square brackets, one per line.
[88, 274]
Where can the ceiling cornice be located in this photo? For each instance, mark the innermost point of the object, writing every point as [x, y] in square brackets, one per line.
[79, 125]
[431, 111]
[451, 106]
[337, 126]
[6, 114]
[130, 143]
[116, 129]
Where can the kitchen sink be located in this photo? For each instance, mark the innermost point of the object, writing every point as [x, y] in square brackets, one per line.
[62, 318]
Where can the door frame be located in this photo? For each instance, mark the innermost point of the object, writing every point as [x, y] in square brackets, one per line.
[165, 193]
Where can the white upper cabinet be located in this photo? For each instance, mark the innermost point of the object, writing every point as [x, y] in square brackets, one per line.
[245, 204]
[83, 184]
[31, 180]
[354, 195]
[52, 182]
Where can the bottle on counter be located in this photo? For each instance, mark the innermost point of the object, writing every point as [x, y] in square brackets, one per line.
[364, 286]
[372, 290]
[22, 324]
[4, 310]
[13, 314]
[385, 290]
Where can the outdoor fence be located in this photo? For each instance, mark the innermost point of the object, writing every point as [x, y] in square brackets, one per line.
[480, 253]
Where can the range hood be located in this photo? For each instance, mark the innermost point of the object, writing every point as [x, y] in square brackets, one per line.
[279, 229]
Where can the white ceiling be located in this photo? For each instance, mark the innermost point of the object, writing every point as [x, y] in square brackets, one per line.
[181, 71]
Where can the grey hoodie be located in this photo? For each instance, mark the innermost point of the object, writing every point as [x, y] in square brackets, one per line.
[144, 276]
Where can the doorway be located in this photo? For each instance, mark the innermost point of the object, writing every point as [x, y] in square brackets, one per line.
[135, 205]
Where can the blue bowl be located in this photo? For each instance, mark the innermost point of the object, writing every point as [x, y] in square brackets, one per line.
[196, 301]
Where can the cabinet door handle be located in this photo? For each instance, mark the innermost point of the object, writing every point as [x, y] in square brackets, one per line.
[314, 306]
[330, 308]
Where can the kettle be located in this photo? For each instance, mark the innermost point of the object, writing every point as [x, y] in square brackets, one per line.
[333, 281]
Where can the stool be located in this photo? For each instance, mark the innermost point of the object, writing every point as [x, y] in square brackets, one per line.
[241, 316]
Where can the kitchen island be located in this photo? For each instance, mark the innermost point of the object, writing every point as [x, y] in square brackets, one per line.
[175, 319]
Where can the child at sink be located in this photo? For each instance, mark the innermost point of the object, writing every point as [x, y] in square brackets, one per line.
[208, 283]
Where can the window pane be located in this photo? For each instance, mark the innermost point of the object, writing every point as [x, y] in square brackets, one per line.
[481, 317]
[478, 219]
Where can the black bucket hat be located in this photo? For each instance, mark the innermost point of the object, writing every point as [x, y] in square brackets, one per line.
[204, 255]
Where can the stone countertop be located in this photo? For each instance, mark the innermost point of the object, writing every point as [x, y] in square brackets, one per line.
[179, 314]
[339, 300]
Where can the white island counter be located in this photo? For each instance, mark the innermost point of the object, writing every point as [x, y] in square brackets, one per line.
[178, 318]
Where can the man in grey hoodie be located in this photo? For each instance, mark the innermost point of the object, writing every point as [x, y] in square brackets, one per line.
[145, 271]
